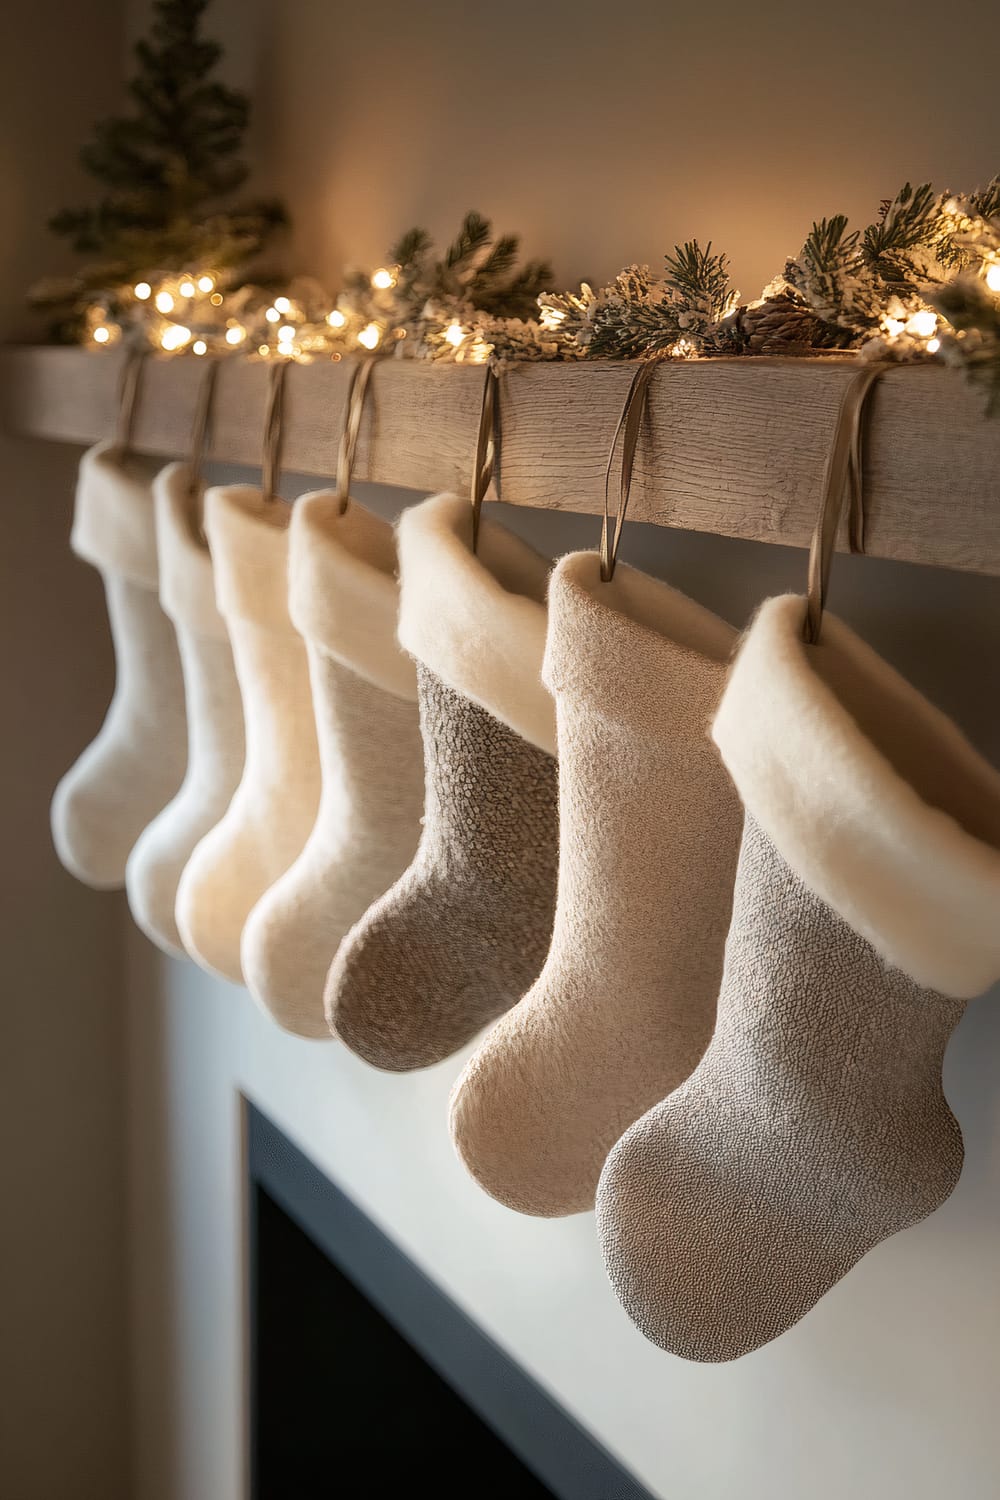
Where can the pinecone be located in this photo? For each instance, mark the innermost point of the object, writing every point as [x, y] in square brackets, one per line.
[785, 325]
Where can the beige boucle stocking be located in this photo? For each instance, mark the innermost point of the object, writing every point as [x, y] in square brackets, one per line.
[465, 929]
[865, 915]
[274, 807]
[344, 600]
[136, 763]
[649, 832]
[214, 711]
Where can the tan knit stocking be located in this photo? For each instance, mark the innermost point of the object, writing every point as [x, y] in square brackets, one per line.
[649, 831]
[815, 1125]
[344, 600]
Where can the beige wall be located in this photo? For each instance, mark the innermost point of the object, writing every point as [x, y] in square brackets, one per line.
[63, 1392]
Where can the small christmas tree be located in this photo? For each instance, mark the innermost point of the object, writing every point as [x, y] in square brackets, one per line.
[168, 169]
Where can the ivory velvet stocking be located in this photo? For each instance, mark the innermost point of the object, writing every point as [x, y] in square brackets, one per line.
[274, 807]
[136, 763]
[214, 711]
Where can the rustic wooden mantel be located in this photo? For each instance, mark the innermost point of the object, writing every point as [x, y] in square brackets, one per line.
[734, 447]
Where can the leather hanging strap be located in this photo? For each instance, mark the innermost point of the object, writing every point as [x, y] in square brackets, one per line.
[202, 420]
[128, 397]
[486, 452]
[273, 429]
[844, 471]
[628, 429]
[352, 429]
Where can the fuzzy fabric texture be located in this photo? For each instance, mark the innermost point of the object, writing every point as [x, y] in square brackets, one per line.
[649, 831]
[477, 619]
[465, 929]
[214, 711]
[343, 599]
[273, 810]
[816, 1123]
[137, 762]
[873, 796]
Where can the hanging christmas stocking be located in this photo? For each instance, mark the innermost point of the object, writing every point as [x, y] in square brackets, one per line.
[866, 914]
[214, 711]
[274, 806]
[136, 763]
[649, 831]
[344, 600]
[464, 931]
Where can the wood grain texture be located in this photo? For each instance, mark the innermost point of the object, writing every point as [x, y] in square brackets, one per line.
[734, 447]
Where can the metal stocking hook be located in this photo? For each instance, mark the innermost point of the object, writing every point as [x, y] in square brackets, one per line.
[844, 470]
[486, 452]
[629, 426]
[352, 427]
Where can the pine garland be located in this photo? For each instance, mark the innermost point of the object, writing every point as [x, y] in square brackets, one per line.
[170, 251]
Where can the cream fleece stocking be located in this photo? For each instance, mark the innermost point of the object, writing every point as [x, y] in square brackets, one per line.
[136, 763]
[649, 832]
[464, 931]
[214, 711]
[865, 916]
[344, 600]
[274, 807]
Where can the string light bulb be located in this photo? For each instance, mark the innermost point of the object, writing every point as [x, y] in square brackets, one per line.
[199, 347]
[187, 289]
[206, 283]
[283, 305]
[893, 327]
[933, 345]
[236, 334]
[164, 302]
[273, 315]
[143, 291]
[382, 280]
[102, 335]
[993, 278]
[285, 348]
[922, 324]
[216, 299]
[369, 336]
[454, 335]
[336, 319]
[174, 337]
[286, 332]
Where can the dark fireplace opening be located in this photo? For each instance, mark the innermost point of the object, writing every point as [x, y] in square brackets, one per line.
[349, 1406]
[368, 1382]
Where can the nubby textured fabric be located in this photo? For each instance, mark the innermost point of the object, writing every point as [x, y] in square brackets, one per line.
[136, 763]
[274, 807]
[214, 711]
[649, 832]
[344, 601]
[865, 916]
[465, 929]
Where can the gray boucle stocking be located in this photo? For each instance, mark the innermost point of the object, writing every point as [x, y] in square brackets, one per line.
[814, 1127]
[462, 934]
[865, 916]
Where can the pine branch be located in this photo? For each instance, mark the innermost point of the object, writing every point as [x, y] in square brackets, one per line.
[410, 249]
[471, 238]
